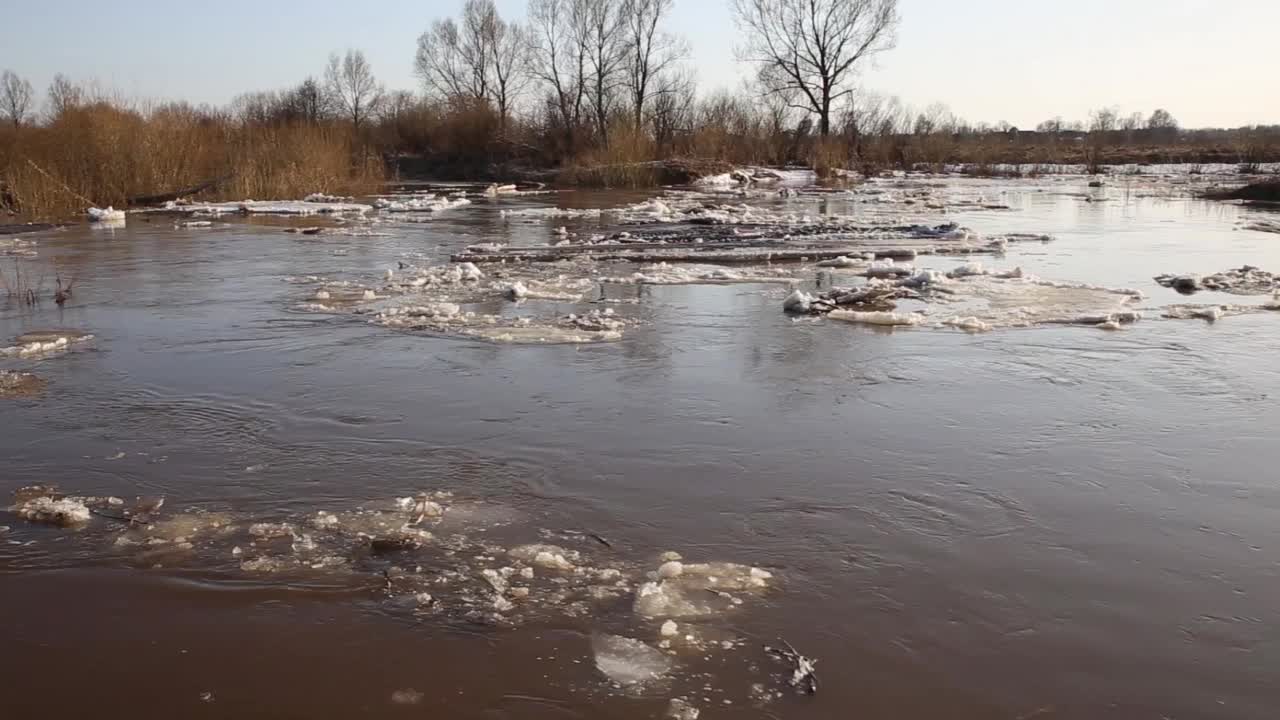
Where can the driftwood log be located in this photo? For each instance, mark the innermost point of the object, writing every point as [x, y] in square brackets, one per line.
[26, 228]
[1267, 191]
[175, 194]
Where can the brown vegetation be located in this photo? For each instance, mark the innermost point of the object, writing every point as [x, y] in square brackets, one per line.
[588, 92]
[105, 153]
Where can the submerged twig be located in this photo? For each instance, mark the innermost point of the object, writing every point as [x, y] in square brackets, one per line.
[600, 540]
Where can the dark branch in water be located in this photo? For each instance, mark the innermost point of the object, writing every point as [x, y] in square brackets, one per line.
[161, 198]
[601, 540]
[804, 678]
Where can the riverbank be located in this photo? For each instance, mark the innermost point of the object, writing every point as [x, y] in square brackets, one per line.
[103, 155]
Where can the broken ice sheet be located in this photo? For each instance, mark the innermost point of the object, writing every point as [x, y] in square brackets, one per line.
[44, 342]
[628, 662]
[685, 590]
[1246, 280]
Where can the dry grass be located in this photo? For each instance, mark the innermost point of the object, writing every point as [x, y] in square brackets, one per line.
[627, 162]
[103, 154]
[20, 286]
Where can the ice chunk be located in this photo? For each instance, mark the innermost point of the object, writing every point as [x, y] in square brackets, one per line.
[431, 204]
[923, 278]
[407, 697]
[680, 709]
[470, 272]
[628, 662]
[550, 557]
[551, 213]
[495, 190]
[269, 207]
[670, 629]
[887, 319]
[67, 512]
[670, 570]
[669, 600]
[109, 215]
[495, 579]
[843, 261]
[1212, 313]
[967, 270]
[798, 302]
[971, 324]
[268, 531]
[516, 291]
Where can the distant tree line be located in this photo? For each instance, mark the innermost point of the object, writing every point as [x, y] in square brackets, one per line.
[609, 83]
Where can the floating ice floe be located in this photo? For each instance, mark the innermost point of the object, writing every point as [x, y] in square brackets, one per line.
[629, 662]
[798, 302]
[109, 215]
[885, 319]
[681, 709]
[431, 204]
[1247, 280]
[495, 190]
[970, 324]
[547, 557]
[17, 247]
[1213, 313]
[44, 342]
[671, 274]
[326, 199]
[977, 299]
[550, 213]
[64, 512]
[265, 207]
[684, 590]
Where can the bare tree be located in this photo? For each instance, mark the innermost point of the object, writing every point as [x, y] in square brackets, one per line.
[350, 83]
[1052, 126]
[1161, 120]
[1104, 120]
[307, 102]
[606, 58]
[510, 59]
[558, 50]
[936, 118]
[15, 97]
[63, 96]
[650, 53]
[454, 60]
[813, 47]
[672, 108]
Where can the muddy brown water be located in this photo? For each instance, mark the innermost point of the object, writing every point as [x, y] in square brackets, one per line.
[1046, 523]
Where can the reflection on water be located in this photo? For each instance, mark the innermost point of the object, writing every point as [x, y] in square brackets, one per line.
[1053, 522]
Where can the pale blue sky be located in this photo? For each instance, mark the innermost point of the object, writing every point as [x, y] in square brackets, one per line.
[1210, 62]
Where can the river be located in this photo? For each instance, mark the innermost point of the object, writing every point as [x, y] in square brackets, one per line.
[1038, 522]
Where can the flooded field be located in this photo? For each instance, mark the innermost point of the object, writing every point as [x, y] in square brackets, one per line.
[980, 448]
